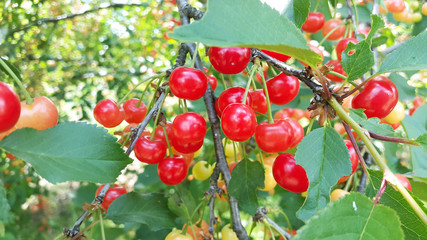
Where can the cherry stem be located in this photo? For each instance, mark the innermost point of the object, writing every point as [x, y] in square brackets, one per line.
[337, 74]
[348, 183]
[28, 97]
[152, 78]
[167, 142]
[248, 84]
[393, 139]
[381, 191]
[261, 115]
[353, 90]
[356, 148]
[101, 224]
[310, 125]
[322, 80]
[329, 33]
[194, 56]
[316, 6]
[230, 79]
[264, 84]
[223, 81]
[158, 114]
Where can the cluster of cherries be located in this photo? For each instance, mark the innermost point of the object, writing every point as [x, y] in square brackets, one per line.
[40, 114]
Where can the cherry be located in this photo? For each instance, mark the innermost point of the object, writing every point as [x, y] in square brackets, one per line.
[294, 113]
[238, 122]
[288, 175]
[112, 194]
[353, 159]
[229, 60]
[108, 114]
[314, 22]
[189, 127]
[342, 45]
[274, 137]
[149, 151]
[232, 95]
[329, 26]
[337, 68]
[276, 55]
[378, 97]
[282, 89]
[188, 83]
[160, 135]
[172, 170]
[297, 132]
[10, 107]
[259, 101]
[337, 194]
[134, 110]
[41, 114]
[395, 6]
[182, 147]
[404, 181]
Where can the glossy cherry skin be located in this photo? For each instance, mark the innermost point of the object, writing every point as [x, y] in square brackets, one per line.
[212, 81]
[404, 181]
[282, 89]
[149, 151]
[395, 6]
[329, 26]
[182, 147]
[232, 95]
[172, 170]
[276, 55]
[259, 101]
[353, 159]
[238, 122]
[189, 127]
[188, 83]
[160, 135]
[378, 97]
[134, 112]
[337, 68]
[314, 22]
[112, 194]
[274, 137]
[229, 60]
[41, 114]
[108, 114]
[342, 45]
[288, 175]
[10, 107]
[297, 132]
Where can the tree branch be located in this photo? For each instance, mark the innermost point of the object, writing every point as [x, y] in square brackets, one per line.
[260, 215]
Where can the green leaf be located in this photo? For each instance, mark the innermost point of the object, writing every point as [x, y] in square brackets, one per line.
[69, 152]
[297, 12]
[247, 177]
[15, 70]
[254, 24]
[183, 204]
[406, 92]
[411, 55]
[413, 130]
[413, 227]
[325, 158]
[5, 214]
[353, 217]
[371, 124]
[321, 6]
[150, 209]
[420, 115]
[85, 193]
[422, 140]
[420, 26]
[419, 188]
[362, 60]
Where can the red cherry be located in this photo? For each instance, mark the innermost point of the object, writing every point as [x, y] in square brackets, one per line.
[276, 55]
[259, 101]
[172, 170]
[212, 81]
[282, 89]
[342, 45]
[232, 95]
[395, 6]
[288, 175]
[273, 137]
[108, 114]
[229, 60]
[353, 159]
[182, 147]
[149, 151]
[134, 111]
[160, 135]
[297, 131]
[238, 122]
[378, 97]
[404, 181]
[314, 22]
[112, 194]
[330, 25]
[10, 107]
[337, 68]
[189, 127]
[188, 83]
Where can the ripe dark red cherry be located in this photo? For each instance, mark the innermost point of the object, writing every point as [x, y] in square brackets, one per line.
[182, 147]
[172, 170]
[330, 25]
[108, 114]
[282, 89]
[378, 97]
[112, 194]
[189, 127]
[276, 55]
[342, 45]
[274, 137]
[229, 60]
[259, 101]
[232, 95]
[353, 159]
[188, 83]
[297, 132]
[134, 111]
[10, 107]
[337, 68]
[314, 22]
[238, 122]
[288, 175]
[159, 134]
[149, 151]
